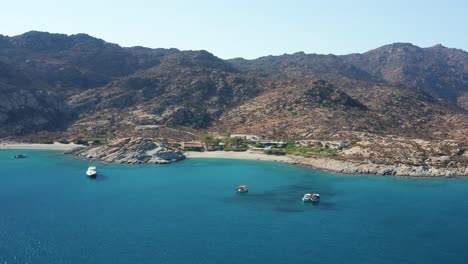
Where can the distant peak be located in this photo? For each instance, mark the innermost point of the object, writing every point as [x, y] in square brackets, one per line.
[397, 47]
[42, 35]
[299, 53]
[85, 37]
[438, 46]
[402, 45]
[35, 32]
[205, 53]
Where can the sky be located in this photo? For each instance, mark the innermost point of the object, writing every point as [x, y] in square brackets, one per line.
[248, 29]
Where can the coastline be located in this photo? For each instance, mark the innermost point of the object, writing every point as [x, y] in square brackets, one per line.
[338, 166]
[243, 155]
[326, 164]
[35, 146]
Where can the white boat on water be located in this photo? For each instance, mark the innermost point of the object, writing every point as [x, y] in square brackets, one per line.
[19, 156]
[91, 172]
[311, 197]
[242, 189]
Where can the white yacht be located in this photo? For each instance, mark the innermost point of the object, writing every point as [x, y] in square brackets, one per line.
[242, 189]
[91, 172]
[311, 197]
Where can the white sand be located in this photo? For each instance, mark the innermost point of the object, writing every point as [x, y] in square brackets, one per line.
[245, 155]
[55, 146]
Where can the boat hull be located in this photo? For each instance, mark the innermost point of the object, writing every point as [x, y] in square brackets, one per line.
[310, 200]
[91, 175]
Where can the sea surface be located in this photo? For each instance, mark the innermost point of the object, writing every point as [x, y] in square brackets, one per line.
[188, 212]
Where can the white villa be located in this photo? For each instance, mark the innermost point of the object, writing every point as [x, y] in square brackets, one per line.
[247, 137]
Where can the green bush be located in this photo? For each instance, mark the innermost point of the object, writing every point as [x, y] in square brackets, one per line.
[311, 151]
[194, 149]
[47, 141]
[273, 151]
[64, 141]
[235, 142]
[237, 149]
[80, 141]
[210, 140]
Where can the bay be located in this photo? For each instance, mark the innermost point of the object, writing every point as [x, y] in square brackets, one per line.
[188, 212]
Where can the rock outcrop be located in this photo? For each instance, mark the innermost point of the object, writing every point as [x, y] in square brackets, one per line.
[347, 167]
[399, 157]
[131, 151]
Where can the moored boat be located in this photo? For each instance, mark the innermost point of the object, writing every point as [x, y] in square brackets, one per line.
[91, 172]
[242, 189]
[311, 197]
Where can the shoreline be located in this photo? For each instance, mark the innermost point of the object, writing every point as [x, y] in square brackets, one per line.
[36, 146]
[242, 155]
[338, 166]
[325, 164]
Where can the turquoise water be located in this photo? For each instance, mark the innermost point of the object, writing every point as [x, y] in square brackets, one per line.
[188, 213]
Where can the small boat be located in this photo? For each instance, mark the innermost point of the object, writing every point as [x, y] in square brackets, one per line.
[91, 172]
[311, 197]
[20, 156]
[242, 189]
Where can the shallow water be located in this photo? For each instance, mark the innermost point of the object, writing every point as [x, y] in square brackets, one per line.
[188, 213]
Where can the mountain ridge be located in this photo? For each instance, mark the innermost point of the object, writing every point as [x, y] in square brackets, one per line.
[94, 87]
[85, 35]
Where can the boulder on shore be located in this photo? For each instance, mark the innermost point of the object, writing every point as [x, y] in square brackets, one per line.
[131, 151]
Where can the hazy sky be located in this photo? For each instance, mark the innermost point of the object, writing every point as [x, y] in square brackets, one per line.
[247, 29]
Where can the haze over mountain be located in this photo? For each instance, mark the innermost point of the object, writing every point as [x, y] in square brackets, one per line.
[79, 85]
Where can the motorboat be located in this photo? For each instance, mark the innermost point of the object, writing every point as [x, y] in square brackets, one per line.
[242, 189]
[19, 156]
[91, 172]
[311, 197]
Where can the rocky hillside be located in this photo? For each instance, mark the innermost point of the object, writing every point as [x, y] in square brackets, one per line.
[185, 89]
[81, 85]
[40, 71]
[317, 109]
[438, 70]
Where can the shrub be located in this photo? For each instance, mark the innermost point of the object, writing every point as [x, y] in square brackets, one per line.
[194, 149]
[64, 141]
[239, 149]
[311, 151]
[80, 141]
[272, 151]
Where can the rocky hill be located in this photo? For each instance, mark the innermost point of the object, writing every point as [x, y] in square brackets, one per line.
[130, 151]
[440, 71]
[317, 109]
[185, 89]
[81, 85]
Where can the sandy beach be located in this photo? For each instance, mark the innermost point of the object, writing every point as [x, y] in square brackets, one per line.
[245, 155]
[55, 146]
[339, 166]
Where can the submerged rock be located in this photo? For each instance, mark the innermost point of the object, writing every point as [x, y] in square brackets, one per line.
[131, 151]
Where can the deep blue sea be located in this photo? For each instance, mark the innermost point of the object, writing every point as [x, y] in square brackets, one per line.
[188, 212]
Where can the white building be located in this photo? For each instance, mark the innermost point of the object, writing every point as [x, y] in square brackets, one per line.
[247, 137]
